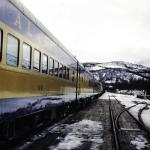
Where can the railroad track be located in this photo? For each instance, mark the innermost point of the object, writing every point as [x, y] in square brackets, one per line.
[139, 121]
[116, 122]
[115, 132]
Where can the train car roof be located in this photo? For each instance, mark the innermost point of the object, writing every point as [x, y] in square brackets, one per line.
[32, 18]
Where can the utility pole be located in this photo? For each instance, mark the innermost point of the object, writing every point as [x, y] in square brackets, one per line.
[93, 82]
[148, 90]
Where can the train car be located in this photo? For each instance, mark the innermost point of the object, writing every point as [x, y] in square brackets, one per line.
[36, 70]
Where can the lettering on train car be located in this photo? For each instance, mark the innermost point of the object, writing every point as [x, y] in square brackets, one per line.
[18, 21]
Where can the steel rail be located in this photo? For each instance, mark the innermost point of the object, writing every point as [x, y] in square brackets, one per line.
[140, 122]
[118, 116]
[114, 127]
[140, 117]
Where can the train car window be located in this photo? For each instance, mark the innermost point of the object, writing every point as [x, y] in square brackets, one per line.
[36, 62]
[79, 75]
[56, 72]
[73, 76]
[45, 64]
[60, 70]
[67, 73]
[12, 50]
[51, 66]
[84, 79]
[1, 40]
[26, 61]
[64, 72]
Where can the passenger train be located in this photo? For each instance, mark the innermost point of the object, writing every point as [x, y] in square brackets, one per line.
[34, 64]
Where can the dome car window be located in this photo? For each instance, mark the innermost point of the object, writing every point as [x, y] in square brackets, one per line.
[51, 66]
[45, 64]
[36, 62]
[12, 50]
[67, 73]
[26, 61]
[60, 70]
[64, 72]
[56, 72]
[73, 76]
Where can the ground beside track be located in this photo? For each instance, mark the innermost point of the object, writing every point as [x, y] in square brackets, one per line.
[89, 129]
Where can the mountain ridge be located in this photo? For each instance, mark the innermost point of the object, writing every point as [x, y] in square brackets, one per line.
[118, 71]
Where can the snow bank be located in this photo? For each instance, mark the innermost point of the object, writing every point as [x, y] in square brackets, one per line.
[71, 136]
[78, 134]
[140, 142]
[130, 100]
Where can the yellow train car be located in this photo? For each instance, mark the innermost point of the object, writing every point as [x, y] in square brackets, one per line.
[34, 65]
[28, 66]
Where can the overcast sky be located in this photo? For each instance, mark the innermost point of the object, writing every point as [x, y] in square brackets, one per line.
[98, 30]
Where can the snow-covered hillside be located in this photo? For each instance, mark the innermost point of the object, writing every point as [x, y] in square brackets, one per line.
[118, 71]
[115, 64]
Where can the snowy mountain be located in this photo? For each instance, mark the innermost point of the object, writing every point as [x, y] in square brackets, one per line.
[115, 75]
[118, 71]
[115, 64]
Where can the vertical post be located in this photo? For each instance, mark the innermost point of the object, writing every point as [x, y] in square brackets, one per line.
[77, 80]
[93, 83]
[144, 95]
[148, 89]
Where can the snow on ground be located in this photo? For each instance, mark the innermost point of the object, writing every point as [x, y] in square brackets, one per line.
[130, 100]
[71, 136]
[140, 142]
[105, 96]
[40, 136]
[132, 92]
[79, 133]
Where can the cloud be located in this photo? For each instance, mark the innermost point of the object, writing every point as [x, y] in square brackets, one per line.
[98, 30]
